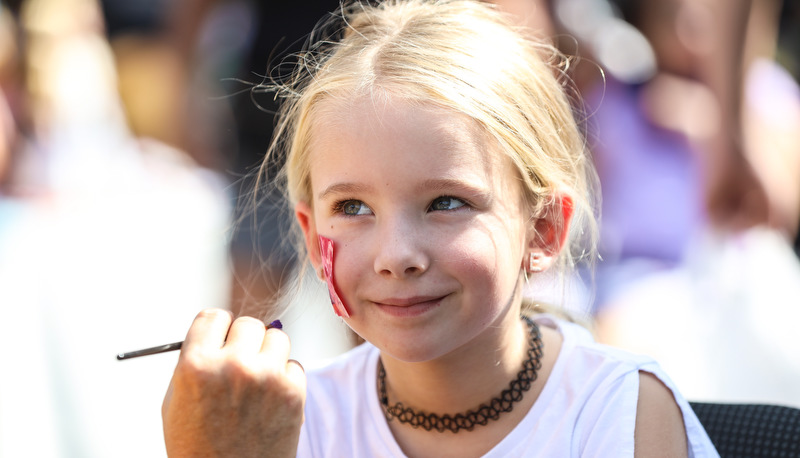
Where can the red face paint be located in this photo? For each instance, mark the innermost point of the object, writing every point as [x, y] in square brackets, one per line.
[326, 251]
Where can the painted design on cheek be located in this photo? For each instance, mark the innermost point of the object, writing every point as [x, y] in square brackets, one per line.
[326, 251]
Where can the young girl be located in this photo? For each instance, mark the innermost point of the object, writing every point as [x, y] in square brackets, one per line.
[434, 166]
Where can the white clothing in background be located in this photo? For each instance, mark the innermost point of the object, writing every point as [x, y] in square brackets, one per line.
[724, 324]
[86, 275]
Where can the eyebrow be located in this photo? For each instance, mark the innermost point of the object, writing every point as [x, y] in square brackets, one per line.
[447, 184]
[436, 184]
[343, 188]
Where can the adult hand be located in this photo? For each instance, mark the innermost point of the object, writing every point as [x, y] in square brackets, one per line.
[234, 391]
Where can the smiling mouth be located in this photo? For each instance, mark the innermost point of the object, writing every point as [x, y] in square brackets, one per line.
[409, 307]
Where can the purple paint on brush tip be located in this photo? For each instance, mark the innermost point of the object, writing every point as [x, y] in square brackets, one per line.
[275, 324]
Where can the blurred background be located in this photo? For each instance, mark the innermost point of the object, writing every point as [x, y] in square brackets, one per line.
[130, 132]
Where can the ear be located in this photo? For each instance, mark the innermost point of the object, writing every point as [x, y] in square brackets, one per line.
[305, 216]
[547, 235]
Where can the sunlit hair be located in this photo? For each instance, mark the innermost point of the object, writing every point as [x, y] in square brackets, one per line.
[464, 56]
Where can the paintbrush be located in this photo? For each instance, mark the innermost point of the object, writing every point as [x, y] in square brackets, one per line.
[174, 346]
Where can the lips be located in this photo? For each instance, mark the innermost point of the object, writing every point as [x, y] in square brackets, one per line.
[409, 306]
[409, 301]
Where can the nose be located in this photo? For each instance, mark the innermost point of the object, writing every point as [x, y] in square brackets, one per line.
[401, 251]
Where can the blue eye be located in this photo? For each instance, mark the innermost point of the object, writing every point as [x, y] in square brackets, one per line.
[445, 203]
[353, 208]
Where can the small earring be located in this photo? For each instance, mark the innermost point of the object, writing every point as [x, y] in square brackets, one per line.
[535, 262]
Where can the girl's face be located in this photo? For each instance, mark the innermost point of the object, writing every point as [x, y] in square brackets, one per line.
[428, 226]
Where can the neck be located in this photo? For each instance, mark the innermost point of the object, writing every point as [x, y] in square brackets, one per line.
[465, 378]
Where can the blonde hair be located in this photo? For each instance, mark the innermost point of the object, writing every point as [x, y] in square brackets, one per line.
[462, 55]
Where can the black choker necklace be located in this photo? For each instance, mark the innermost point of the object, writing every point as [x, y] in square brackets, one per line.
[481, 416]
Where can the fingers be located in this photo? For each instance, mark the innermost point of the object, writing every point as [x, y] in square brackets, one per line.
[234, 396]
[214, 332]
[215, 329]
[246, 335]
[208, 331]
[276, 342]
[296, 374]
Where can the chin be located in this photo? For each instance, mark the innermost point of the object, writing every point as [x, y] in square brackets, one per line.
[417, 351]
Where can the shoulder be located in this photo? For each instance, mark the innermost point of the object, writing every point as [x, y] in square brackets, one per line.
[660, 430]
[628, 393]
[592, 380]
[580, 352]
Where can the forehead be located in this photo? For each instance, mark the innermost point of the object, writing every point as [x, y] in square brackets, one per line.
[380, 110]
[385, 125]
[395, 147]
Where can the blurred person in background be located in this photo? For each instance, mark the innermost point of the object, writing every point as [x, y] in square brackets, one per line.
[9, 84]
[695, 129]
[109, 241]
[130, 160]
[694, 123]
[192, 66]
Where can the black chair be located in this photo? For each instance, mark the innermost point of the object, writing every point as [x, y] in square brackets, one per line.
[751, 430]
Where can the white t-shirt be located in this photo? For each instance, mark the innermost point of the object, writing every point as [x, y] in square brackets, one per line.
[587, 407]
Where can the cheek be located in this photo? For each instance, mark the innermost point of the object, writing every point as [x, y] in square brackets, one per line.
[478, 255]
[327, 249]
[350, 264]
[493, 244]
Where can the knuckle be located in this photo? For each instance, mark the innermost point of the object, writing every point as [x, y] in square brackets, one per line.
[213, 314]
[249, 320]
[192, 367]
[238, 367]
[192, 359]
[278, 337]
[204, 374]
